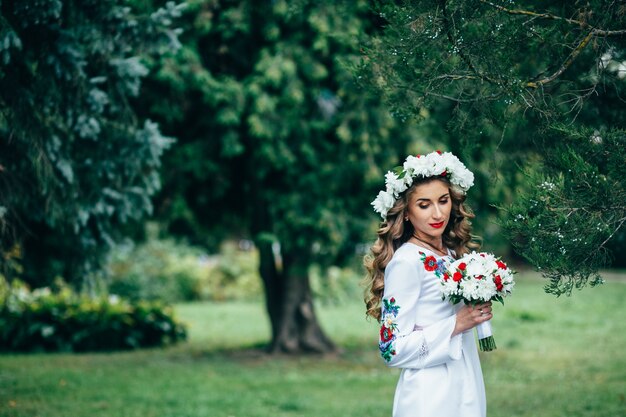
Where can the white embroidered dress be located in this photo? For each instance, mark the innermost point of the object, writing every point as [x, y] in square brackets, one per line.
[441, 375]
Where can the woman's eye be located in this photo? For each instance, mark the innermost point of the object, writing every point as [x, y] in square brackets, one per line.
[444, 201]
[423, 207]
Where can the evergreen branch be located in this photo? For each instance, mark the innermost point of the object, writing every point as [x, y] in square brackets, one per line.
[572, 56]
[446, 23]
[447, 97]
[585, 208]
[595, 31]
[455, 77]
[464, 100]
[602, 245]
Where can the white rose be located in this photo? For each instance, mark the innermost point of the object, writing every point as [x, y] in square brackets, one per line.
[383, 202]
[394, 185]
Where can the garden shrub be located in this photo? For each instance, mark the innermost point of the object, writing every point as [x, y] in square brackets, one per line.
[334, 285]
[62, 320]
[170, 271]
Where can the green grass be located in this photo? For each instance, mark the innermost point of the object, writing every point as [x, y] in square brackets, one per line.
[555, 357]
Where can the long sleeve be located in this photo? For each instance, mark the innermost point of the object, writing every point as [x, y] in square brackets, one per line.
[402, 343]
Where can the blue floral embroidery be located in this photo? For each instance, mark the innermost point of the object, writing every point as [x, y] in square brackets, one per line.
[388, 329]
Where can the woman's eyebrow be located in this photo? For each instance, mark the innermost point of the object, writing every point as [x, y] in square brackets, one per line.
[428, 199]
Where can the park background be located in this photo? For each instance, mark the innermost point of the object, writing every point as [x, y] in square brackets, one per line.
[185, 198]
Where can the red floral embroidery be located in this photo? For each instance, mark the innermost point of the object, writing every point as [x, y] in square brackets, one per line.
[462, 266]
[501, 264]
[457, 276]
[387, 330]
[430, 263]
[386, 334]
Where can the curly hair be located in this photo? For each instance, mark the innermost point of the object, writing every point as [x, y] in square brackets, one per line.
[394, 232]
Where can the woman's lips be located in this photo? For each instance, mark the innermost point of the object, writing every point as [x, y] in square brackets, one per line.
[437, 225]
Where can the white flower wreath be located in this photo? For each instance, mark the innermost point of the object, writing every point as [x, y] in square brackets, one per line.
[434, 164]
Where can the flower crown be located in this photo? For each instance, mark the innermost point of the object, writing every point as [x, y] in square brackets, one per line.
[434, 164]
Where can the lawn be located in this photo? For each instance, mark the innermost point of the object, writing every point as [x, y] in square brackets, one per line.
[556, 357]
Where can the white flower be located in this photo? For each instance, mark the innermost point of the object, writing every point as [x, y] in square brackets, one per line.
[474, 268]
[423, 166]
[439, 165]
[478, 283]
[383, 202]
[414, 165]
[449, 287]
[394, 184]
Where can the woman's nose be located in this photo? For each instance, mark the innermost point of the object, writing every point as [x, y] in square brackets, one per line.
[438, 213]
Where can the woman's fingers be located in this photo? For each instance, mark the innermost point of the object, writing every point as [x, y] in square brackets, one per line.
[482, 312]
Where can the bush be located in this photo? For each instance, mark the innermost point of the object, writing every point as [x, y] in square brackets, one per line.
[170, 271]
[163, 269]
[61, 320]
[335, 285]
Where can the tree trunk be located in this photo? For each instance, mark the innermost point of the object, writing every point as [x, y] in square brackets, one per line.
[289, 304]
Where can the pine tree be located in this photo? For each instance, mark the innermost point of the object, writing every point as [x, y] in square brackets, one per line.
[523, 84]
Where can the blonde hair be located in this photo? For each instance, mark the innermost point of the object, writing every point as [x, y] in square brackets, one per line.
[394, 232]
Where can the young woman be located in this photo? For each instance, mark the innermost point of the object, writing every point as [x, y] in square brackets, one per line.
[425, 226]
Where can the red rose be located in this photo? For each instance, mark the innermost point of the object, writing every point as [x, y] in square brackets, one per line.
[457, 276]
[430, 263]
[498, 281]
[444, 173]
[385, 334]
[462, 266]
[501, 264]
[392, 300]
[446, 277]
[439, 152]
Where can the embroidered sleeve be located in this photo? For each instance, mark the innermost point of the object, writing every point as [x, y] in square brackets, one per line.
[402, 344]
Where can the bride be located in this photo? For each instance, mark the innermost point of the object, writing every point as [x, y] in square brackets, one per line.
[425, 226]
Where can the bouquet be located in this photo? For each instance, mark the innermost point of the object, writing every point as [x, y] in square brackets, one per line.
[476, 278]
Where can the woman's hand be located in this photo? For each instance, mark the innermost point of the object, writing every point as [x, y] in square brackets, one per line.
[471, 316]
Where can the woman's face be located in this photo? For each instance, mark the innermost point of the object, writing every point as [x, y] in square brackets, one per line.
[429, 208]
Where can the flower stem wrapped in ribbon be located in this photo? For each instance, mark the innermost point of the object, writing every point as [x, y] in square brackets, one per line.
[476, 278]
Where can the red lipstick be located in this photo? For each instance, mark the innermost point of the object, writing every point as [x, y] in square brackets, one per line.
[437, 225]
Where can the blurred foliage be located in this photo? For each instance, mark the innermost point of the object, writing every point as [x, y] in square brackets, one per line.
[171, 271]
[62, 320]
[76, 164]
[532, 93]
[336, 285]
[277, 143]
[276, 140]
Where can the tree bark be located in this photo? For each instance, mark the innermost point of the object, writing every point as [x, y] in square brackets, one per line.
[289, 304]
